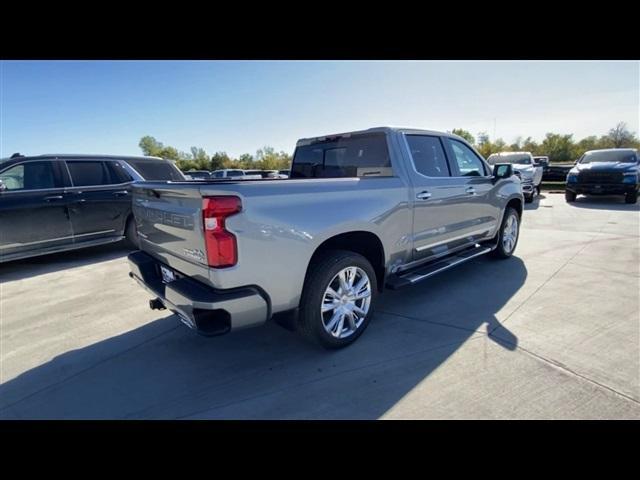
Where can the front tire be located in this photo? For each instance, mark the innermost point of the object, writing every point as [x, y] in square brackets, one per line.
[338, 298]
[631, 197]
[528, 198]
[508, 234]
[569, 196]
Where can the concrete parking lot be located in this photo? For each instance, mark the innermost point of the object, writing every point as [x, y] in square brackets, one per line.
[551, 333]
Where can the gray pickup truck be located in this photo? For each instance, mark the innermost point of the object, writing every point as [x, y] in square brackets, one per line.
[361, 211]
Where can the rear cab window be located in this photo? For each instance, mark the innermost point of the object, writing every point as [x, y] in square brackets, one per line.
[358, 155]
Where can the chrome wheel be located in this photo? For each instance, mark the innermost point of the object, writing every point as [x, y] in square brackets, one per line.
[346, 302]
[510, 233]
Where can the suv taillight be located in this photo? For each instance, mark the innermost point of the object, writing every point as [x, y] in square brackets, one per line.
[222, 250]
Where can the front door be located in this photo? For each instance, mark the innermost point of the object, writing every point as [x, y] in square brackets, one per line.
[33, 209]
[482, 211]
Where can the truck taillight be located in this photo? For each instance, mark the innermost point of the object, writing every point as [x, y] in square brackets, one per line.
[221, 245]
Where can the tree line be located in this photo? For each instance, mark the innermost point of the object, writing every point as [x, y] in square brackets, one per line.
[558, 147]
[265, 158]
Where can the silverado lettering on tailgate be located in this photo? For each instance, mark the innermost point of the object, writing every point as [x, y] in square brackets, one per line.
[165, 218]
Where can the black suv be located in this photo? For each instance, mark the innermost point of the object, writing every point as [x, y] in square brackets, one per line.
[51, 203]
[605, 172]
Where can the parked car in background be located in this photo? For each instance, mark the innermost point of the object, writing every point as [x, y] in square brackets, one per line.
[234, 174]
[556, 172]
[612, 171]
[263, 173]
[52, 203]
[362, 211]
[198, 175]
[523, 163]
[542, 160]
[284, 173]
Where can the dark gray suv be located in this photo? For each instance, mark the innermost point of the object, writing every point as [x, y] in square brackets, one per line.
[51, 203]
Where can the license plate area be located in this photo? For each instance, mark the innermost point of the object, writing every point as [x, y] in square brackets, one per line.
[168, 275]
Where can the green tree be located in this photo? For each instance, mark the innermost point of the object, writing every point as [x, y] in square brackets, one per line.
[619, 137]
[517, 145]
[268, 159]
[558, 147]
[529, 145]
[464, 134]
[220, 160]
[150, 146]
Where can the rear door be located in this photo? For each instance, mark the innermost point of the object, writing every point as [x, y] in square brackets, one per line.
[480, 205]
[33, 208]
[100, 200]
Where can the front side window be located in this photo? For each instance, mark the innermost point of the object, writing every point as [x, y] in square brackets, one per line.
[469, 164]
[355, 156]
[30, 176]
[88, 173]
[428, 155]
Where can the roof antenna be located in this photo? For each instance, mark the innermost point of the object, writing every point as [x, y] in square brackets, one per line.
[16, 155]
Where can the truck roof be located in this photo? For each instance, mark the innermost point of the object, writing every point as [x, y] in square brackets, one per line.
[71, 156]
[386, 129]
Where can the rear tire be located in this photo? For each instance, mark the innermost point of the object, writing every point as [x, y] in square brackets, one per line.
[631, 197]
[131, 234]
[569, 196]
[508, 235]
[322, 318]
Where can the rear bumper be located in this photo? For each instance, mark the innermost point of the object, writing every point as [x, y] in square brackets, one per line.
[207, 310]
[603, 189]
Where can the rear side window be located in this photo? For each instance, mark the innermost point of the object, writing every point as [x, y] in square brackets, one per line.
[156, 170]
[118, 173]
[357, 156]
[89, 173]
[30, 176]
[468, 163]
[428, 155]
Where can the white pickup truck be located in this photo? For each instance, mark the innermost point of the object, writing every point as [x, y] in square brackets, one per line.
[526, 167]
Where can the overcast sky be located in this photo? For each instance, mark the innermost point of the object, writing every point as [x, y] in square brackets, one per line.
[238, 107]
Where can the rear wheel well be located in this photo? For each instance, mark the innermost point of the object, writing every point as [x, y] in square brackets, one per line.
[366, 244]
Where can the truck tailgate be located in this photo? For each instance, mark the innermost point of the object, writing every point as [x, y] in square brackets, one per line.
[169, 222]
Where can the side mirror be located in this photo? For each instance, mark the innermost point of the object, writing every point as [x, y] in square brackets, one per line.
[3, 187]
[502, 170]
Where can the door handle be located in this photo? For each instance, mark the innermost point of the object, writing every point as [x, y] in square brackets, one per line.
[470, 190]
[51, 198]
[423, 195]
[121, 193]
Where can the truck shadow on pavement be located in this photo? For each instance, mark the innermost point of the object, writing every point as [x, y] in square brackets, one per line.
[55, 262]
[164, 370]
